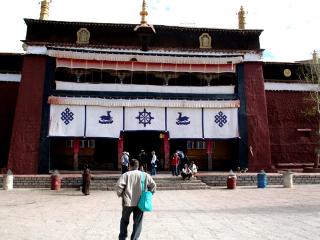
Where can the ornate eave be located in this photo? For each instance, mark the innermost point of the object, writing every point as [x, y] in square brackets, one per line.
[142, 102]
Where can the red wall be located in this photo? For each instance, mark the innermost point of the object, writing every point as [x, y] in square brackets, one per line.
[259, 155]
[24, 149]
[8, 97]
[286, 115]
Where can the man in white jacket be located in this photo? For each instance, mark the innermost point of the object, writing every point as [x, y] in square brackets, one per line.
[129, 188]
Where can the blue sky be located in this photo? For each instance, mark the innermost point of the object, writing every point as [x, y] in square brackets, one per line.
[290, 26]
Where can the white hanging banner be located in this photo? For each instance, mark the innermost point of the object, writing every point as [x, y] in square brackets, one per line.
[184, 122]
[67, 120]
[104, 121]
[144, 118]
[221, 123]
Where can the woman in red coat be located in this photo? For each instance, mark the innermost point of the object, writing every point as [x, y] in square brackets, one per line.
[86, 180]
[174, 164]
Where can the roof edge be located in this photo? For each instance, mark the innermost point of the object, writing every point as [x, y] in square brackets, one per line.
[30, 21]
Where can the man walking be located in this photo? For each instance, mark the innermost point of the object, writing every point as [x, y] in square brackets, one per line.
[130, 189]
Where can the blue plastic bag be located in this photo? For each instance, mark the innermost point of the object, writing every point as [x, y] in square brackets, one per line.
[145, 201]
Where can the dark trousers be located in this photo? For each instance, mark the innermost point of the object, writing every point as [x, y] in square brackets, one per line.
[153, 169]
[124, 169]
[174, 170]
[184, 175]
[137, 223]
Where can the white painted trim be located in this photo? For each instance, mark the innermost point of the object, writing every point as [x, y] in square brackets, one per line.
[142, 102]
[298, 87]
[71, 86]
[39, 50]
[9, 77]
[252, 57]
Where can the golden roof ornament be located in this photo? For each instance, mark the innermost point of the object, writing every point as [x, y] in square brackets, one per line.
[143, 23]
[143, 14]
[44, 13]
[315, 58]
[242, 18]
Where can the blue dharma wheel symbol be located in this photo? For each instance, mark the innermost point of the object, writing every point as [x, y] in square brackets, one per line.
[144, 117]
[220, 119]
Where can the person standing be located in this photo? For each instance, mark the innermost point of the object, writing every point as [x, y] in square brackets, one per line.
[129, 189]
[174, 164]
[124, 162]
[86, 180]
[153, 163]
[143, 160]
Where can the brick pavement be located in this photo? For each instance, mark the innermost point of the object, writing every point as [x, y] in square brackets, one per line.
[218, 213]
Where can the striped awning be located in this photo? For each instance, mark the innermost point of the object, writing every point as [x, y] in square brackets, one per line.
[143, 102]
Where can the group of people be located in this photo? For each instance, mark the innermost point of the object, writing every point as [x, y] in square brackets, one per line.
[144, 161]
[180, 164]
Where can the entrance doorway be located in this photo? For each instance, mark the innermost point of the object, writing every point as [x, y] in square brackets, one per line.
[135, 141]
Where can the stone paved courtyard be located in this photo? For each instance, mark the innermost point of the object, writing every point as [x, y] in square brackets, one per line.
[218, 213]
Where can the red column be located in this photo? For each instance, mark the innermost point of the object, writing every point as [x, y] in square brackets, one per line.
[209, 144]
[76, 148]
[259, 155]
[24, 147]
[166, 150]
[120, 149]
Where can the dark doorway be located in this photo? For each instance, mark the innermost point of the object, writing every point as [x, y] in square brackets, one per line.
[135, 141]
[106, 154]
[99, 154]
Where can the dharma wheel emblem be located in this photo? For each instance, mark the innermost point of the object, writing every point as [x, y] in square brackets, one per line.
[144, 117]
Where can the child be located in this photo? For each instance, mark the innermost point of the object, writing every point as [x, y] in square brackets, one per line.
[194, 169]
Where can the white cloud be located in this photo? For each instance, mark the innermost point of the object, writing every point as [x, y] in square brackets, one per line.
[290, 26]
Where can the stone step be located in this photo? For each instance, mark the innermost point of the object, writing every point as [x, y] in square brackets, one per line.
[166, 183]
[159, 188]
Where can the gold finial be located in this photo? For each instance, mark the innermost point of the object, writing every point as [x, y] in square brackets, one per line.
[44, 13]
[242, 18]
[143, 13]
[315, 58]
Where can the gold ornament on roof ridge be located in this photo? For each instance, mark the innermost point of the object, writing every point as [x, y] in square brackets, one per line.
[315, 58]
[44, 12]
[144, 13]
[242, 18]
